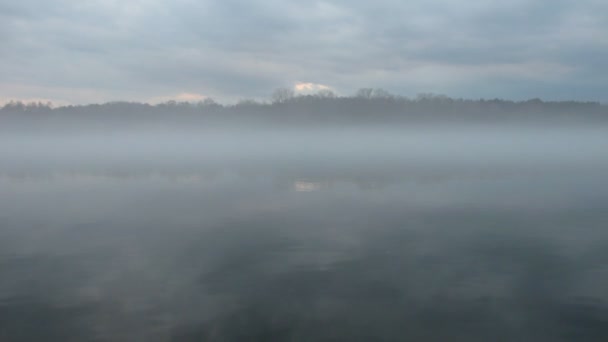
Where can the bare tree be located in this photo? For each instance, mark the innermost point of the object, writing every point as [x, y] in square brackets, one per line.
[282, 95]
[326, 94]
[208, 103]
[365, 93]
[380, 93]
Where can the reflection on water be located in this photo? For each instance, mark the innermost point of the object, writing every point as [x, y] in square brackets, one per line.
[306, 186]
[386, 252]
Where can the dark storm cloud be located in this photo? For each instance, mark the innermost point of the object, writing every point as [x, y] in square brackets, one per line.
[144, 49]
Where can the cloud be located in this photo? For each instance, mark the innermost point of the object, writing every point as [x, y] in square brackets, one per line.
[98, 50]
[309, 88]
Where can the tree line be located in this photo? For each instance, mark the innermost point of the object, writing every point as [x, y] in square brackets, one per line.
[366, 105]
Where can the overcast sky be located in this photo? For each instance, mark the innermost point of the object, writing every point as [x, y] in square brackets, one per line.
[75, 51]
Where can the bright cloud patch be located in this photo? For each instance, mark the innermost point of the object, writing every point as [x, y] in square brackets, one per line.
[182, 97]
[309, 88]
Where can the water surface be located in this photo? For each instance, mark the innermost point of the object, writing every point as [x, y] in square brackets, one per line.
[469, 235]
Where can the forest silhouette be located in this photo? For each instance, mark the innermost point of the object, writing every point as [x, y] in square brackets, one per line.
[366, 106]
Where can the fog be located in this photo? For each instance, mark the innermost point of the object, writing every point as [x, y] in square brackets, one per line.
[285, 232]
[325, 170]
[472, 145]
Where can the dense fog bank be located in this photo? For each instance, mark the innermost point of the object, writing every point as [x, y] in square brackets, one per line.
[318, 153]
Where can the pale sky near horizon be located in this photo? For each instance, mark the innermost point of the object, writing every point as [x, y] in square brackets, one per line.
[70, 51]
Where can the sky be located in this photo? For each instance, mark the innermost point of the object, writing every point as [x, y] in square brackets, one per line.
[78, 52]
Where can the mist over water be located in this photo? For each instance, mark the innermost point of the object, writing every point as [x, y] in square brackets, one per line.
[229, 170]
[429, 232]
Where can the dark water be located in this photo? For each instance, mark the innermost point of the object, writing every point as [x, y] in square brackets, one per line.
[468, 239]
